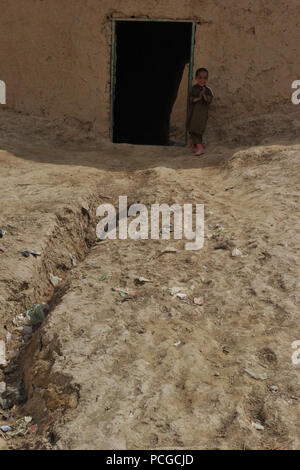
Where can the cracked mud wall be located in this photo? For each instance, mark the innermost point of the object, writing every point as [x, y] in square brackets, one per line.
[55, 55]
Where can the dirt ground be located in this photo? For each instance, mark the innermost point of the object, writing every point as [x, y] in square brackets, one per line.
[151, 371]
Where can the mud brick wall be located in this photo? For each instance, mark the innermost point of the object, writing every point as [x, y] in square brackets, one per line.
[55, 54]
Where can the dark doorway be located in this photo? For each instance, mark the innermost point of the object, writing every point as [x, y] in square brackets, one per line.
[150, 60]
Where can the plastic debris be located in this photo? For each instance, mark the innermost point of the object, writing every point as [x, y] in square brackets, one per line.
[175, 290]
[36, 314]
[229, 188]
[1, 233]
[8, 337]
[257, 426]
[2, 354]
[27, 253]
[11, 395]
[177, 343]
[55, 280]
[170, 249]
[6, 428]
[217, 230]
[223, 246]
[2, 387]
[180, 295]
[103, 277]
[236, 252]
[198, 300]
[141, 280]
[256, 376]
[21, 427]
[33, 429]
[273, 389]
[73, 259]
[19, 320]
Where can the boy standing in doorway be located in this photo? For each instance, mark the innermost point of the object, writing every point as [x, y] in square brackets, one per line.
[200, 98]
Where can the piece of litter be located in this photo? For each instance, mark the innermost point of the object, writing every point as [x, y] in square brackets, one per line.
[256, 376]
[229, 188]
[33, 429]
[27, 253]
[103, 277]
[1, 233]
[141, 280]
[236, 252]
[257, 426]
[2, 354]
[2, 250]
[27, 419]
[2, 387]
[181, 296]
[120, 289]
[198, 300]
[170, 249]
[177, 343]
[8, 337]
[36, 314]
[55, 280]
[175, 290]
[122, 294]
[6, 428]
[273, 389]
[73, 259]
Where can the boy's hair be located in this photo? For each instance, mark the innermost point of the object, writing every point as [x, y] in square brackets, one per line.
[202, 69]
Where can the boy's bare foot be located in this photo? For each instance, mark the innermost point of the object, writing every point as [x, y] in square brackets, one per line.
[200, 150]
[193, 147]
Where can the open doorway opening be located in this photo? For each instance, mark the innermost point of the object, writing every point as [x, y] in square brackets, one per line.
[150, 58]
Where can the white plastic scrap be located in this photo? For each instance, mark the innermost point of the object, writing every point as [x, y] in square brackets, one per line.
[258, 426]
[256, 376]
[236, 252]
[175, 290]
[143, 279]
[55, 280]
[2, 354]
[73, 259]
[181, 296]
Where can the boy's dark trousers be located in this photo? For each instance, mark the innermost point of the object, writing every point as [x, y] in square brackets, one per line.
[196, 138]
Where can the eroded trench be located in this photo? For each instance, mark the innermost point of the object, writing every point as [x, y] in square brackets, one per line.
[31, 388]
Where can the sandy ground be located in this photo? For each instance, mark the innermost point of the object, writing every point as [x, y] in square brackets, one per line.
[153, 371]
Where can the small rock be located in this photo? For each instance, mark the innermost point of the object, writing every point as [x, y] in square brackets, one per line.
[273, 389]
